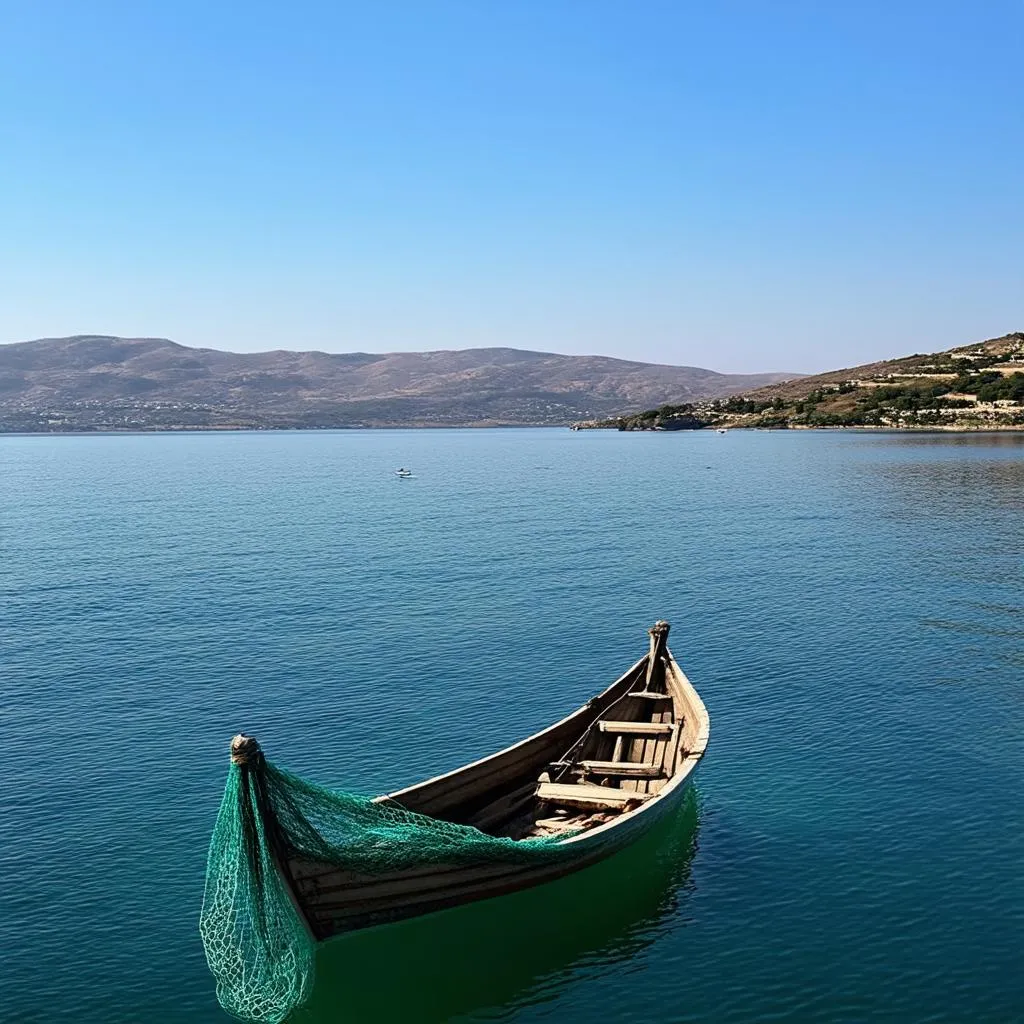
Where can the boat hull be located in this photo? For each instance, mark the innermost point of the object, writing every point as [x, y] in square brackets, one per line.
[333, 901]
[353, 903]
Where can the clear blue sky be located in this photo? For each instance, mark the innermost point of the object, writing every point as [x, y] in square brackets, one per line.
[745, 186]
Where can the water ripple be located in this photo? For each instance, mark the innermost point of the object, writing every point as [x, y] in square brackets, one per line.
[848, 604]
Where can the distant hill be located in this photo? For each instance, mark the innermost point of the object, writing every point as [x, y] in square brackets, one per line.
[94, 382]
[979, 386]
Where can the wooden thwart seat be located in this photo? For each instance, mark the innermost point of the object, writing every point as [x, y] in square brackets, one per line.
[651, 695]
[634, 768]
[584, 795]
[637, 728]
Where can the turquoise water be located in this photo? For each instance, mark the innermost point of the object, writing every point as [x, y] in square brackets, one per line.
[849, 606]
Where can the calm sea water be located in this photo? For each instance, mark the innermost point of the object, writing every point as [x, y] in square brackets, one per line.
[849, 606]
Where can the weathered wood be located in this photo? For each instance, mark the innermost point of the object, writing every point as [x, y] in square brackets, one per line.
[564, 823]
[621, 767]
[627, 745]
[617, 752]
[636, 728]
[673, 750]
[643, 751]
[583, 795]
[503, 808]
[651, 695]
[652, 662]
[399, 908]
[659, 637]
[401, 886]
[335, 884]
[647, 748]
[654, 750]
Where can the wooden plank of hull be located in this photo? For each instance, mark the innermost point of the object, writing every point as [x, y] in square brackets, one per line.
[335, 922]
[400, 883]
[501, 808]
[656, 747]
[671, 750]
[439, 890]
[453, 888]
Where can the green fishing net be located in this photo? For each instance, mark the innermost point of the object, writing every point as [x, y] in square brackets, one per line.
[258, 948]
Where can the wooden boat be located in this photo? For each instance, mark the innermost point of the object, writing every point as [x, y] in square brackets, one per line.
[602, 776]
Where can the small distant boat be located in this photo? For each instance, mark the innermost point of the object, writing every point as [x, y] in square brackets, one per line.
[722, 430]
[403, 472]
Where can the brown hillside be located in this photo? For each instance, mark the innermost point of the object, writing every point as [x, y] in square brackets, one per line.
[907, 366]
[101, 382]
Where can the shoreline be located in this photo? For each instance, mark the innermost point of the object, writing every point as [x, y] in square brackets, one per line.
[141, 431]
[1010, 428]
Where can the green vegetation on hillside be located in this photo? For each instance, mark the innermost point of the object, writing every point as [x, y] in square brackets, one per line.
[665, 417]
[913, 403]
[995, 387]
[977, 386]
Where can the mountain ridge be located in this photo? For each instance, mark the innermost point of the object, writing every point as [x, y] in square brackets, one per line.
[94, 382]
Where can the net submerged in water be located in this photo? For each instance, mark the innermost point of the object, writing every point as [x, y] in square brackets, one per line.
[257, 944]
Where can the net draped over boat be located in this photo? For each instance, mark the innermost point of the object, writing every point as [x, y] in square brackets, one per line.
[256, 943]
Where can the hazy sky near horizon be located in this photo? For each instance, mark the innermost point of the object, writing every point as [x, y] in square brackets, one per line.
[744, 186]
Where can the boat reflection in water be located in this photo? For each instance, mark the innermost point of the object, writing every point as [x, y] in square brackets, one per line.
[513, 950]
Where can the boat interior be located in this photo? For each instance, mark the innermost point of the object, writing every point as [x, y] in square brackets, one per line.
[623, 758]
